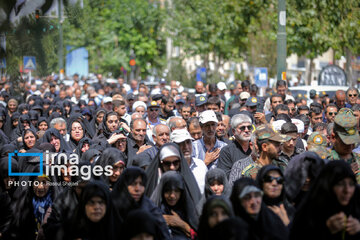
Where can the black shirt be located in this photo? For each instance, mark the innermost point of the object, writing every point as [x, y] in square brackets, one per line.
[230, 154]
[132, 148]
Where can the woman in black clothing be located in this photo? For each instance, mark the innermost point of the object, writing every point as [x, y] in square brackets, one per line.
[128, 194]
[271, 181]
[43, 124]
[331, 209]
[94, 217]
[112, 157]
[264, 224]
[177, 207]
[109, 125]
[29, 140]
[77, 132]
[53, 137]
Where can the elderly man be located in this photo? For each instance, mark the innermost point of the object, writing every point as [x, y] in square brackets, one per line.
[340, 98]
[208, 147]
[183, 138]
[160, 135]
[241, 126]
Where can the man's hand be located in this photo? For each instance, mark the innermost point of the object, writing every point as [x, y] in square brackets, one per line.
[260, 117]
[211, 156]
[143, 148]
[125, 126]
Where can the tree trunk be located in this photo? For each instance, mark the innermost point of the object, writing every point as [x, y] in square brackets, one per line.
[308, 80]
[348, 68]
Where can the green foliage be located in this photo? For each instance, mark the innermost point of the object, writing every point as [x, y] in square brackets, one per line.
[111, 29]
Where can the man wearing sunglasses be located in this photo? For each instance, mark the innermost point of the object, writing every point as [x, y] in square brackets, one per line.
[269, 146]
[239, 149]
[330, 112]
[352, 95]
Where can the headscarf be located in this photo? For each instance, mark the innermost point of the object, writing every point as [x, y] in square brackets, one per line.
[88, 130]
[64, 147]
[89, 154]
[211, 203]
[110, 157]
[72, 142]
[81, 144]
[83, 227]
[185, 207]
[104, 132]
[23, 138]
[152, 172]
[65, 104]
[321, 203]
[42, 119]
[266, 223]
[219, 175]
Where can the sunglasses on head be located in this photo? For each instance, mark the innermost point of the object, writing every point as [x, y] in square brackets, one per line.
[269, 179]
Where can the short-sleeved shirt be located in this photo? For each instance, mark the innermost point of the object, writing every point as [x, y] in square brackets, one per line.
[199, 150]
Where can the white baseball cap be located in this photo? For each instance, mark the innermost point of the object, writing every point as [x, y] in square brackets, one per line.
[244, 95]
[221, 86]
[180, 135]
[299, 124]
[107, 99]
[208, 116]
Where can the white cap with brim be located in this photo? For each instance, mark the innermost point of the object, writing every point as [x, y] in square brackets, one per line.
[169, 151]
[299, 124]
[180, 135]
[107, 99]
[208, 116]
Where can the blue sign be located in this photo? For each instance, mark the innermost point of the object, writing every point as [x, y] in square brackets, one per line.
[77, 61]
[29, 63]
[201, 74]
[261, 77]
[3, 63]
[40, 173]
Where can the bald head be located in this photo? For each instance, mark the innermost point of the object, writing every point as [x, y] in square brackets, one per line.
[340, 97]
[199, 87]
[177, 123]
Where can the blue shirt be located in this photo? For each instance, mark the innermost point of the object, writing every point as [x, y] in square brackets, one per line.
[199, 150]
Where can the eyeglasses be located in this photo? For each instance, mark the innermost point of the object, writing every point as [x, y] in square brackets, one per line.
[269, 179]
[352, 95]
[332, 113]
[250, 128]
[176, 163]
[154, 109]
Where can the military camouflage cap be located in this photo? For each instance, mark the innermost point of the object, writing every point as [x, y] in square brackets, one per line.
[266, 132]
[320, 150]
[316, 138]
[345, 126]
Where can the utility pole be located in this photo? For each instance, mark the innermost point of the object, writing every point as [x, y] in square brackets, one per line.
[281, 41]
[61, 63]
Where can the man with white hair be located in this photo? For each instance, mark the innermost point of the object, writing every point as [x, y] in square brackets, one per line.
[183, 138]
[242, 128]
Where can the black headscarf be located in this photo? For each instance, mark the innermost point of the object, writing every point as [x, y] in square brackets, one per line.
[83, 227]
[89, 154]
[321, 203]
[88, 130]
[20, 128]
[110, 156]
[64, 147]
[93, 122]
[73, 144]
[81, 144]
[7, 124]
[274, 201]
[211, 203]
[104, 132]
[185, 207]
[42, 119]
[65, 104]
[302, 166]
[267, 225]
[152, 173]
[23, 138]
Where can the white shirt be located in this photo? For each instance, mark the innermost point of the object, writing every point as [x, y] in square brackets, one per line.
[199, 169]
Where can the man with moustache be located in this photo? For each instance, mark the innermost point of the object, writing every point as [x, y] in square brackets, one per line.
[183, 138]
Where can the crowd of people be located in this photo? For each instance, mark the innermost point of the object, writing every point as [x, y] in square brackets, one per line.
[220, 163]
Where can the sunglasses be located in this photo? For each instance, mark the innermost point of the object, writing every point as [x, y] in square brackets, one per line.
[269, 179]
[332, 113]
[176, 163]
[250, 128]
[154, 109]
[352, 95]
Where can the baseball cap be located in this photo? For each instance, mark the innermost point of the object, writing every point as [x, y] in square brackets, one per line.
[316, 138]
[323, 94]
[321, 151]
[130, 96]
[266, 132]
[200, 100]
[180, 100]
[299, 124]
[244, 95]
[312, 93]
[249, 189]
[345, 126]
[221, 86]
[232, 86]
[107, 99]
[252, 101]
[207, 116]
[162, 81]
[157, 97]
[153, 104]
[180, 135]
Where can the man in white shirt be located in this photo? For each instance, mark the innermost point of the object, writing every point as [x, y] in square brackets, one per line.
[183, 138]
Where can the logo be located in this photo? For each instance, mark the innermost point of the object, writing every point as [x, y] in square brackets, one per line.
[40, 155]
[254, 100]
[318, 139]
[202, 98]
